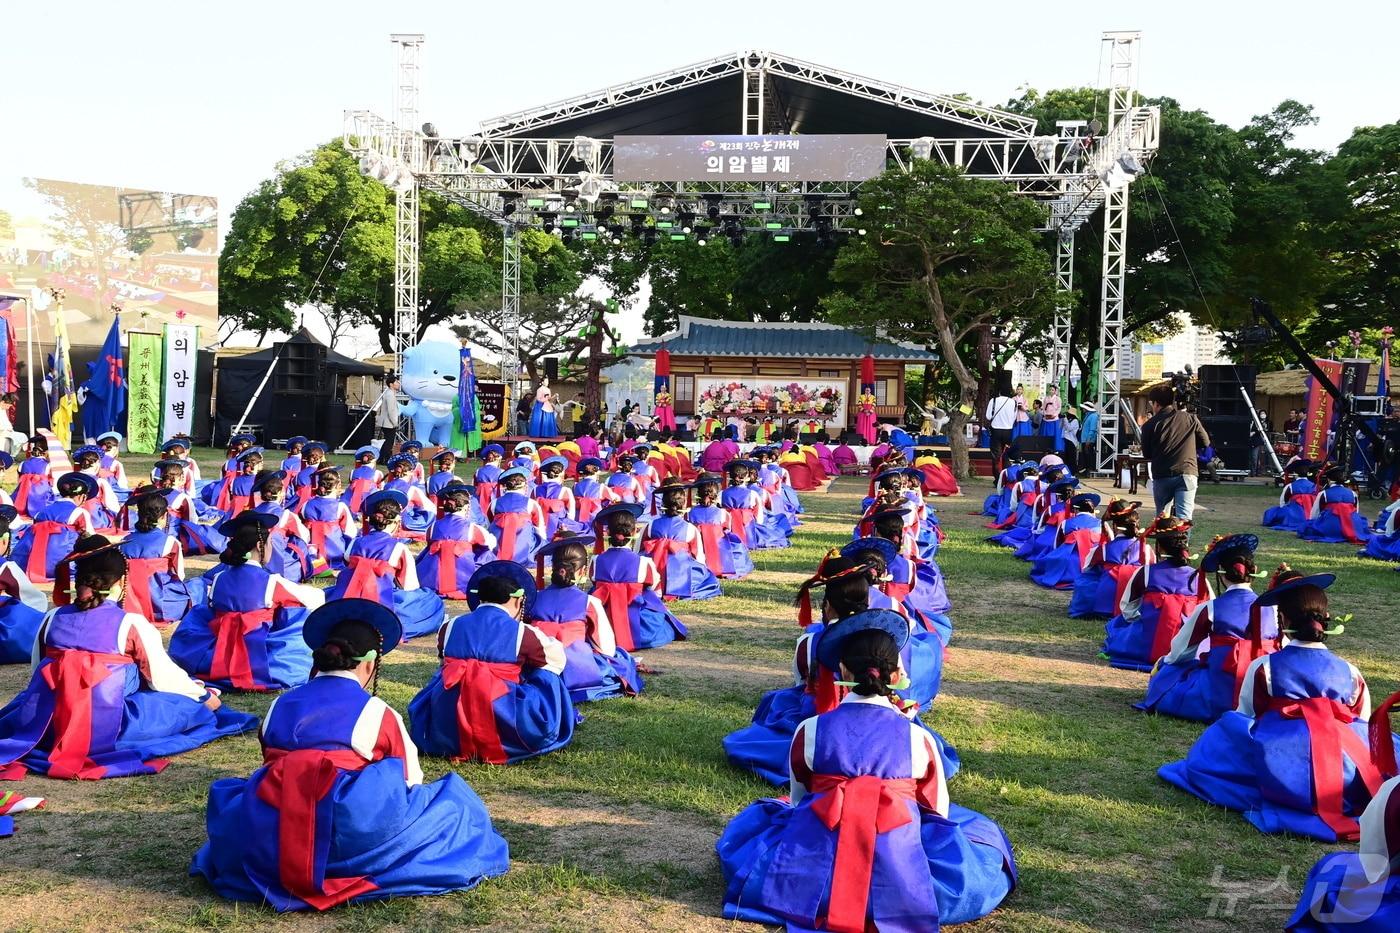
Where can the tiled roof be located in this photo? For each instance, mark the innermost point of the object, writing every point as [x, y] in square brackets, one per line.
[703, 337]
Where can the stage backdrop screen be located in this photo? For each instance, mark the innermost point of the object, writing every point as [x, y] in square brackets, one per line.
[855, 157]
[154, 254]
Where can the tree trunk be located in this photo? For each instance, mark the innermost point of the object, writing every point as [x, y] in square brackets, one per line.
[967, 383]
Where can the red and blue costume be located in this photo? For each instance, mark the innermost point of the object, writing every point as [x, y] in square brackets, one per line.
[518, 525]
[628, 585]
[1159, 598]
[22, 608]
[1099, 590]
[457, 546]
[677, 549]
[595, 667]
[1334, 519]
[379, 567]
[332, 529]
[725, 552]
[55, 530]
[1295, 502]
[155, 576]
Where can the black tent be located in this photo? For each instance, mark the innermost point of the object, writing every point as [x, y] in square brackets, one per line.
[304, 395]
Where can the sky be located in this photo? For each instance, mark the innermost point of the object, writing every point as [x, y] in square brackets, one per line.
[208, 97]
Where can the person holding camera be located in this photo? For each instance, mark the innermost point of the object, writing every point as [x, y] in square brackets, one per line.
[1171, 439]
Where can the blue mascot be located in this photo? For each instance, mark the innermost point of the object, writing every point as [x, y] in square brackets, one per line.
[430, 372]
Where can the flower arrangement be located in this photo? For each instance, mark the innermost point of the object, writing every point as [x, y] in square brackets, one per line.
[793, 398]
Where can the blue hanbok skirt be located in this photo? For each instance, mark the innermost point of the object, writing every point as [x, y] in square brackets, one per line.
[589, 675]
[1058, 568]
[277, 655]
[653, 625]
[1327, 528]
[1038, 544]
[19, 626]
[967, 870]
[1083, 602]
[768, 533]
[734, 556]
[1286, 517]
[427, 839]
[542, 423]
[533, 717]
[197, 538]
[688, 578]
[421, 611]
[1186, 690]
[1015, 536]
[1381, 547]
[1263, 768]
[1338, 897]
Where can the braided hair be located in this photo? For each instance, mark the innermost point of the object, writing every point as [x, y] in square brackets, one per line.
[350, 642]
[150, 512]
[384, 514]
[326, 482]
[69, 486]
[871, 658]
[243, 543]
[569, 559]
[98, 574]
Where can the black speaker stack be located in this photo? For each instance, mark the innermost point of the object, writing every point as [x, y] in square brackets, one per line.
[1225, 413]
[302, 390]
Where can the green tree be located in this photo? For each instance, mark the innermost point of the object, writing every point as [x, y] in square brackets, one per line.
[948, 257]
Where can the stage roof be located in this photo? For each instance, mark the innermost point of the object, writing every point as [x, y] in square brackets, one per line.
[707, 98]
[704, 337]
[339, 363]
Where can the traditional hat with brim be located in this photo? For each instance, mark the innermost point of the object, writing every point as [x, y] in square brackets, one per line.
[1060, 485]
[589, 462]
[514, 471]
[367, 449]
[410, 445]
[247, 517]
[396, 460]
[631, 508]
[490, 449]
[6, 461]
[89, 483]
[457, 486]
[886, 549]
[833, 639]
[524, 583]
[1272, 596]
[560, 462]
[709, 479]
[293, 441]
[383, 495]
[1210, 563]
[314, 445]
[163, 465]
[553, 547]
[109, 436]
[319, 625]
[1091, 499]
[445, 452]
[87, 449]
[174, 442]
[264, 477]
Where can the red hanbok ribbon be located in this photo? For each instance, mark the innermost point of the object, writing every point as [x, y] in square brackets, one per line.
[304, 494]
[616, 597]
[510, 524]
[1329, 737]
[660, 551]
[1344, 512]
[27, 482]
[710, 536]
[858, 809]
[479, 685]
[1172, 609]
[225, 499]
[72, 674]
[318, 532]
[740, 519]
[485, 492]
[364, 576]
[137, 599]
[566, 633]
[447, 552]
[36, 568]
[230, 662]
[295, 782]
[587, 507]
[1305, 502]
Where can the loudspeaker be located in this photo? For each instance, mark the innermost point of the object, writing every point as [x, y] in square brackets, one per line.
[683, 435]
[551, 369]
[293, 413]
[1220, 389]
[302, 369]
[851, 439]
[1232, 438]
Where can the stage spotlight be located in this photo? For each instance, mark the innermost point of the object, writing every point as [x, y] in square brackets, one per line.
[712, 206]
[469, 149]
[858, 212]
[649, 236]
[604, 213]
[586, 149]
[547, 221]
[922, 148]
[430, 130]
[507, 207]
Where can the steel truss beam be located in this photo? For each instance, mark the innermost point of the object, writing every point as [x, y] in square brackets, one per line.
[1061, 359]
[510, 304]
[404, 146]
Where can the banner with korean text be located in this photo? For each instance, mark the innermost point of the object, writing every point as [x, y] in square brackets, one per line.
[1319, 412]
[143, 387]
[177, 368]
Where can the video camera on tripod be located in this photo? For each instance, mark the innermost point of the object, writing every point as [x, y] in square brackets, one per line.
[1186, 389]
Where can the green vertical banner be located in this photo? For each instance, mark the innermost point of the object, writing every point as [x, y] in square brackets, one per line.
[143, 403]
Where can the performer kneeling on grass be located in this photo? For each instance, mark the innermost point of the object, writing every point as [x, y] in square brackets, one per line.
[725, 552]
[22, 604]
[105, 700]
[1334, 519]
[868, 838]
[596, 668]
[1076, 539]
[517, 521]
[245, 630]
[498, 697]
[1295, 499]
[328, 519]
[1200, 678]
[339, 812]
[456, 544]
[629, 585]
[1293, 757]
[1157, 601]
[677, 549]
[291, 555]
[1099, 588]
[155, 562]
[56, 528]
[380, 567]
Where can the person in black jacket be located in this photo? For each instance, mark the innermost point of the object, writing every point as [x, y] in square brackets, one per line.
[1171, 439]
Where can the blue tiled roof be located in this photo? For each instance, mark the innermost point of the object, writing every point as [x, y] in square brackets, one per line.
[702, 337]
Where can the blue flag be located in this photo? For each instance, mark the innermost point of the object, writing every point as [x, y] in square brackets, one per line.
[106, 386]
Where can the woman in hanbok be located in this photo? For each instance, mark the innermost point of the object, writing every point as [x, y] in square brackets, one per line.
[22, 604]
[328, 519]
[498, 697]
[56, 528]
[923, 653]
[379, 566]
[1359, 892]
[364, 479]
[238, 494]
[1158, 599]
[245, 630]
[105, 700]
[1384, 543]
[339, 812]
[1334, 518]
[629, 585]
[725, 552]
[622, 485]
[292, 463]
[1051, 508]
[289, 540]
[517, 521]
[444, 464]
[418, 514]
[589, 494]
[938, 478]
[488, 475]
[178, 448]
[155, 587]
[110, 466]
[1076, 539]
[595, 667]
[1293, 757]
[542, 423]
[218, 494]
[1120, 551]
[457, 545]
[867, 838]
[777, 482]
[103, 504]
[1200, 678]
[1295, 499]
[303, 483]
[999, 502]
[748, 517]
[913, 582]
[35, 489]
[1016, 528]
[196, 537]
[556, 500]
[413, 449]
[676, 547]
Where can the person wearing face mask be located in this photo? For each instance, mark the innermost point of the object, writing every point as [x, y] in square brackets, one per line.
[244, 631]
[339, 811]
[105, 700]
[596, 668]
[498, 696]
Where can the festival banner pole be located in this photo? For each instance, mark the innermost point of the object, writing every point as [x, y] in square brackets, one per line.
[143, 398]
[29, 356]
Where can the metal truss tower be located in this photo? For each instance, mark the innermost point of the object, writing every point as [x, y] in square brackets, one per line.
[1121, 50]
[407, 149]
[1061, 359]
[510, 305]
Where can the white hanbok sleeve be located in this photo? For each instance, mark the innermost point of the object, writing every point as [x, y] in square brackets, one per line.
[143, 645]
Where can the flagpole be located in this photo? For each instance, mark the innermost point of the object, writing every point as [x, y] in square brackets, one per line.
[29, 358]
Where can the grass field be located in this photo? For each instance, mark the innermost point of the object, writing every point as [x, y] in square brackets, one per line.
[617, 830]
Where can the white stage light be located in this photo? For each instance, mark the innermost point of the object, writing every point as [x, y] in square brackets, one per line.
[469, 149]
[922, 148]
[1044, 147]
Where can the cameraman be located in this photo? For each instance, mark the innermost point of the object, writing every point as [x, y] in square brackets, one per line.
[1170, 441]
